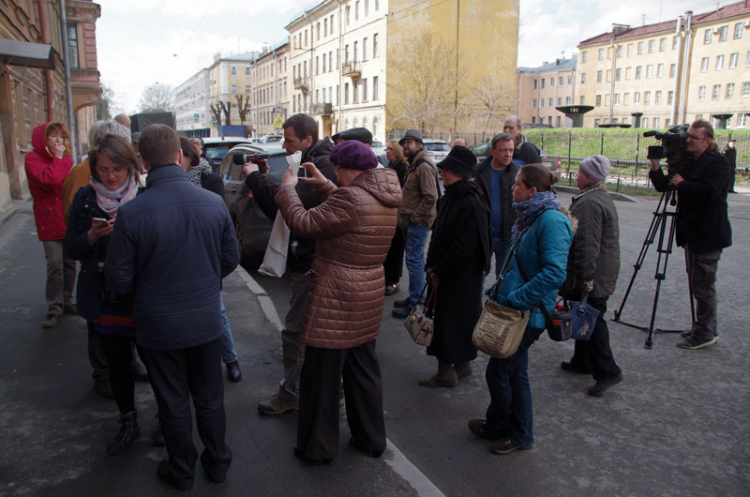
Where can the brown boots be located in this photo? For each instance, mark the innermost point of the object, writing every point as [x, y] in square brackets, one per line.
[447, 375]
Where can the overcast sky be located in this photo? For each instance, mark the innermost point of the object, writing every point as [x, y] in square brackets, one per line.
[140, 42]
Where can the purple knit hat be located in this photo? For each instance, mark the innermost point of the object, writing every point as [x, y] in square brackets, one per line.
[352, 154]
[595, 168]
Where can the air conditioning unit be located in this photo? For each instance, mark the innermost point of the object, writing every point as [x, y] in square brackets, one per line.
[715, 31]
[746, 24]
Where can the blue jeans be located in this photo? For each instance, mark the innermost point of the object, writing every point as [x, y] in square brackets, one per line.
[228, 353]
[415, 236]
[510, 414]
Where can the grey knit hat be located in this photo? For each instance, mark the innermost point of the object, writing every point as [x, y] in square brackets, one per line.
[595, 168]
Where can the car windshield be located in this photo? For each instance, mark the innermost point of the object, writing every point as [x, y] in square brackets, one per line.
[437, 147]
[216, 153]
[273, 139]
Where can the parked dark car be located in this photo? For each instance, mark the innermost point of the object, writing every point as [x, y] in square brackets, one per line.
[253, 228]
[553, 162]
[217, 148]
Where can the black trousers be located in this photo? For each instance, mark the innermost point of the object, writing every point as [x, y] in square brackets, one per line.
[595, 354]
[394, 261]
[318, 421]
[176, 375]
[119, 356]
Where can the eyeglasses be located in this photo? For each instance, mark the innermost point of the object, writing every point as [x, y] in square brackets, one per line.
[694, 137]
[105, 171]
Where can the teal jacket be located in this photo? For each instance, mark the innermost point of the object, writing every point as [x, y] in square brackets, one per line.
[543, 254]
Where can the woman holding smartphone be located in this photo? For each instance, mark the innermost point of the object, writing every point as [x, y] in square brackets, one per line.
[114, 181]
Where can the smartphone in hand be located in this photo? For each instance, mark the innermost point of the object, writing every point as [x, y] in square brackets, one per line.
[101, 220]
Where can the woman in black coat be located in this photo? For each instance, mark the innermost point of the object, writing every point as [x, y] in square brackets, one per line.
[394, 261]
[458, 256]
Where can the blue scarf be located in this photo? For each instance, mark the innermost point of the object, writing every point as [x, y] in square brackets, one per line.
[527, 211]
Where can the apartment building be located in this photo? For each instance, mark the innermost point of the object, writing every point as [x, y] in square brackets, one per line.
[338, 65]
[541, 90]
[231, 91]
[32, 79]
[272, 93]
[191, 106]
[696, 66]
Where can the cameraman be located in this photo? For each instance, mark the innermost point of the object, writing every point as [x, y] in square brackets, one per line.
[702, 224]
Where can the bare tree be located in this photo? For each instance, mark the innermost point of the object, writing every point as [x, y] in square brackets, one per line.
[105, 105]
[226, 108]
[424, 81]
[216, 113]
[157, 98]
[243, 106]
[492, 100]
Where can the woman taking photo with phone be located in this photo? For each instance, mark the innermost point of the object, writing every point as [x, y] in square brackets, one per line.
[114, 181]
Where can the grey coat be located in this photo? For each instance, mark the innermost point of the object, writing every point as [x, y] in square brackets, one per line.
[594, 256]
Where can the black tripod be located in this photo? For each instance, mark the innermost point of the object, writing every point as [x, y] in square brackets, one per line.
[666, 232]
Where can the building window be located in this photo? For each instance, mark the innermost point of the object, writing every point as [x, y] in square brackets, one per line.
[734, 60]
[331, 23]
[533, 104]
[583, 78]
[617, 99]
[640, 48]
[570, 80]
[746, 89]
[533, 85]
[598, 100]
[619, 51]
[701, 93]
[583, 100]
[356, 51]
[636, 98]
[247, 71]
[348, 14]
[346, 93]
[356, 10]
[73, 46]
[657, 97]
[724, 33]
[551, 82]
[618, 74]
[672, 70]
[704, 64]
[375, 47]
[585, 57]
[234, 89]
[646, 98]
[325, 27]
[730, 91]
[375, 95]
[649, 71]
[660, 71]
[738, 30]
[651, 45]
[542, 82]
[355, 92]
[638, 72]
[364, 90]
[670, 98]
[707, 37]
[567, 100]
[330, 60]
[597, 122]
[719, 62]
[662, 44]
[560, 81]
[716, 92]
[747, 59]
[367, 10]
[601, 54]
[317, 65]
[541, 103]
[656, 122]
[233, 71]
[364, 49]
[598, 76]
[559, 101]
[549, 102]
[317, 28]
[675, 42]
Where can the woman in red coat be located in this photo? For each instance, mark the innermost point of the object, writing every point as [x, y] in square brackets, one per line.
[47, 166]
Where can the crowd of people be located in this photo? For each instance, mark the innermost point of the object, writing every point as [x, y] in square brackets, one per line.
[153, 254]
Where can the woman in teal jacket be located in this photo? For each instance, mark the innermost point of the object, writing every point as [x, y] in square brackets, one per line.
[540, 242]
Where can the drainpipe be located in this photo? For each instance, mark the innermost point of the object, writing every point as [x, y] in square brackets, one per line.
[686, 64]
[678, 71]
[68, 84]
[44, 28]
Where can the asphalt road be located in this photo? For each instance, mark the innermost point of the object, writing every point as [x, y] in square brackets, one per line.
[677, 425]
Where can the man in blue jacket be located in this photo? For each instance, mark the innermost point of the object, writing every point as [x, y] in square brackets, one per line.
[169, 250]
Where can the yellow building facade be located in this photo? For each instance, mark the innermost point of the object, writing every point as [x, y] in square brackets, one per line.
[653, 76]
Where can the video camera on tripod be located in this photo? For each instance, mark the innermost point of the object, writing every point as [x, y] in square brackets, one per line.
[672, 148]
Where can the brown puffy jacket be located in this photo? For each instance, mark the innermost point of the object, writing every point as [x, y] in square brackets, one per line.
[354, 226]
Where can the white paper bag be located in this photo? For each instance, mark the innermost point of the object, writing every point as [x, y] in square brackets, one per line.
[274, 260]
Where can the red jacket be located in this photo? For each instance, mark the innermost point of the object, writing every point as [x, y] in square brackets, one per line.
[46, 175]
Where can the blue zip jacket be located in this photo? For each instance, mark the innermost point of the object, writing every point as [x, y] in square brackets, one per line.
[543, 254]
[170, 248]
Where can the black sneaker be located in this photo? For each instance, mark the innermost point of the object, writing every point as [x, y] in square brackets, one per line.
[402, 313]
[691, 343]
[403, 303]
[479, 428]
[506, 446]
[573, 368]
[166, 476]
[602, 386]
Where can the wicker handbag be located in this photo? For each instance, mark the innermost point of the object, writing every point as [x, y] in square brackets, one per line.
[499, 331]
[420, 322]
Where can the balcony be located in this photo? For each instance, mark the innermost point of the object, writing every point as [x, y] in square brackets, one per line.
[352, 69]
[302, 84]
[322, 109]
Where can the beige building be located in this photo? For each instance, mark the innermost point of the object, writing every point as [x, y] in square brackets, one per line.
[697, 66]
[231, 89]
[338, 65]
[272, 93]
[542, 89]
